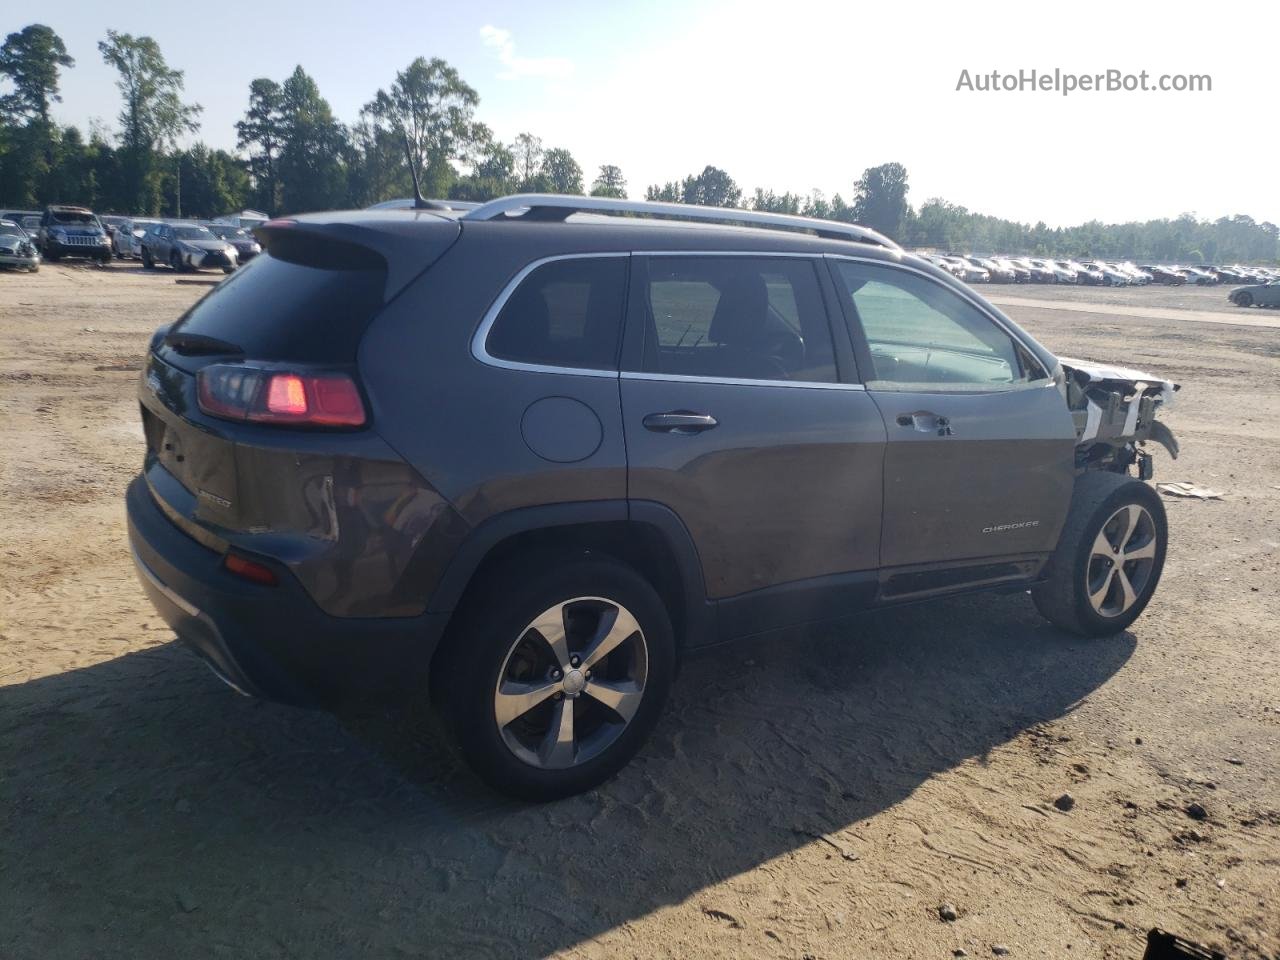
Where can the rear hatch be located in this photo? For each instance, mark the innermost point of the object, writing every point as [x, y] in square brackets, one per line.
[304, 304]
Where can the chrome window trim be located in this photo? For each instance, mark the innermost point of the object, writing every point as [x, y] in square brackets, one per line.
[969, 296]
[479, 340]
[740, 382]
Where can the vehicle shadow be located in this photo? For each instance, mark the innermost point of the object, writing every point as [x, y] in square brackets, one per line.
[148, 811]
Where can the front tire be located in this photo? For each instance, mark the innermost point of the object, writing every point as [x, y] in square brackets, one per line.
[554, 675]
[1244, 299]
[1109, 558]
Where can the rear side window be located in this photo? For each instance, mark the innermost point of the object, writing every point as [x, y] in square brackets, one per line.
[566, 313]
[276, 309]
[748, 318]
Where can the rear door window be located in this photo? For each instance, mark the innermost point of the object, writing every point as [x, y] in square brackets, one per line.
[742, 318]
[565, 313]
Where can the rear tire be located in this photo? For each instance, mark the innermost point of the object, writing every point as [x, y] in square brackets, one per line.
[1109, 557]
[494, 653]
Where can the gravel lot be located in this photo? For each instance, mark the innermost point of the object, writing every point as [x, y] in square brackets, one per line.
[805, 796]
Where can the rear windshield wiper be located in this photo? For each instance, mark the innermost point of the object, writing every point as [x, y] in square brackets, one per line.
[196, 344]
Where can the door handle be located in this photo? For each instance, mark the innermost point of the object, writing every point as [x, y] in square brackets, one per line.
[681, 422]
[926, 422]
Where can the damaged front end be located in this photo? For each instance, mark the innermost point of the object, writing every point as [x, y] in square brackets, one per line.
[1114, 409]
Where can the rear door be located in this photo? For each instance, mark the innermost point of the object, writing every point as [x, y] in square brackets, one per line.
[980, 455]
[739, 416]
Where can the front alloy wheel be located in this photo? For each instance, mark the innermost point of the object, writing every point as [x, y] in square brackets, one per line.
[1110, 553]
[1123, 557]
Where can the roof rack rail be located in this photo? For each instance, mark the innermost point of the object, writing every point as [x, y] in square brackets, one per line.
[557, 207]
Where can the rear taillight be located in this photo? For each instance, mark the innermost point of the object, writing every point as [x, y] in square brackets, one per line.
[286, 397]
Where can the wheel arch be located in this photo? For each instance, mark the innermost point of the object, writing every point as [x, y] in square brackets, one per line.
[648, 536]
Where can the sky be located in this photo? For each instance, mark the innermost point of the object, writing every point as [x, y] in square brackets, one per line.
[787, 96]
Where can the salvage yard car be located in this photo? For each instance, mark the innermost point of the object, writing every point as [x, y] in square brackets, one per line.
[1257, 294]
[246, 246]
[186, 246]
[518, 460]
[17, 249]
[67, 231]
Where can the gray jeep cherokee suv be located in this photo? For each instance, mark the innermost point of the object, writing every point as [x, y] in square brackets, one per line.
[520, 458]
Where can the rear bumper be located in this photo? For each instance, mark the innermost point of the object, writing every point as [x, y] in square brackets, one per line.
[274, 642]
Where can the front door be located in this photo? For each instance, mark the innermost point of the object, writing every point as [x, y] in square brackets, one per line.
[736, 417]
[980, 453]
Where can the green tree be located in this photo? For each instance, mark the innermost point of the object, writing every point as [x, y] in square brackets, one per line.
[711, 188]
[30, 63]
[880, 199]
[776, 203]
[207, 183]
[376, 167]
[609, 182]
[434, 107]
[492, 173]
[527, 151]
[668, 192]
[30, 60]
[153, 116]
[261, 134]
[562, 173]
[312, 173]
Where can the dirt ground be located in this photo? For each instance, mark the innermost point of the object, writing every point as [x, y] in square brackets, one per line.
[804, 797]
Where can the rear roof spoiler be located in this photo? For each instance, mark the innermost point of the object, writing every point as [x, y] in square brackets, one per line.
[403, 247]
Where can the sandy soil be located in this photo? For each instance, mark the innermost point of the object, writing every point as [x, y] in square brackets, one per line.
[805, 797]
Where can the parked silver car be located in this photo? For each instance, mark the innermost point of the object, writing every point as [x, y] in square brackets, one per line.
[17, 248]
[1257, 294]
[186, 246]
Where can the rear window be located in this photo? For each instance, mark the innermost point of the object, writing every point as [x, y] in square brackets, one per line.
[276, 309]
[567, 313]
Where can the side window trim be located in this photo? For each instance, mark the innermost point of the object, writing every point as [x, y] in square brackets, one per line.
[862, 350]
[636, 324]
[479, 340]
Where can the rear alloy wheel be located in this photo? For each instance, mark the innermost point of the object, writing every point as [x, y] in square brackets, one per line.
[556, 708]
[1109, 557]
[551, 685]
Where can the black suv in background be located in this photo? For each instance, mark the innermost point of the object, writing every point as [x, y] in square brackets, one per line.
[67, 231]
[520, 458]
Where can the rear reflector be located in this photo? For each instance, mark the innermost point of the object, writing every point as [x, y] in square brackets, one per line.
[285, 397]
[249, 570]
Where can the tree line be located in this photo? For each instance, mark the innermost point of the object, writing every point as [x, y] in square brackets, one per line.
[294, 155]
